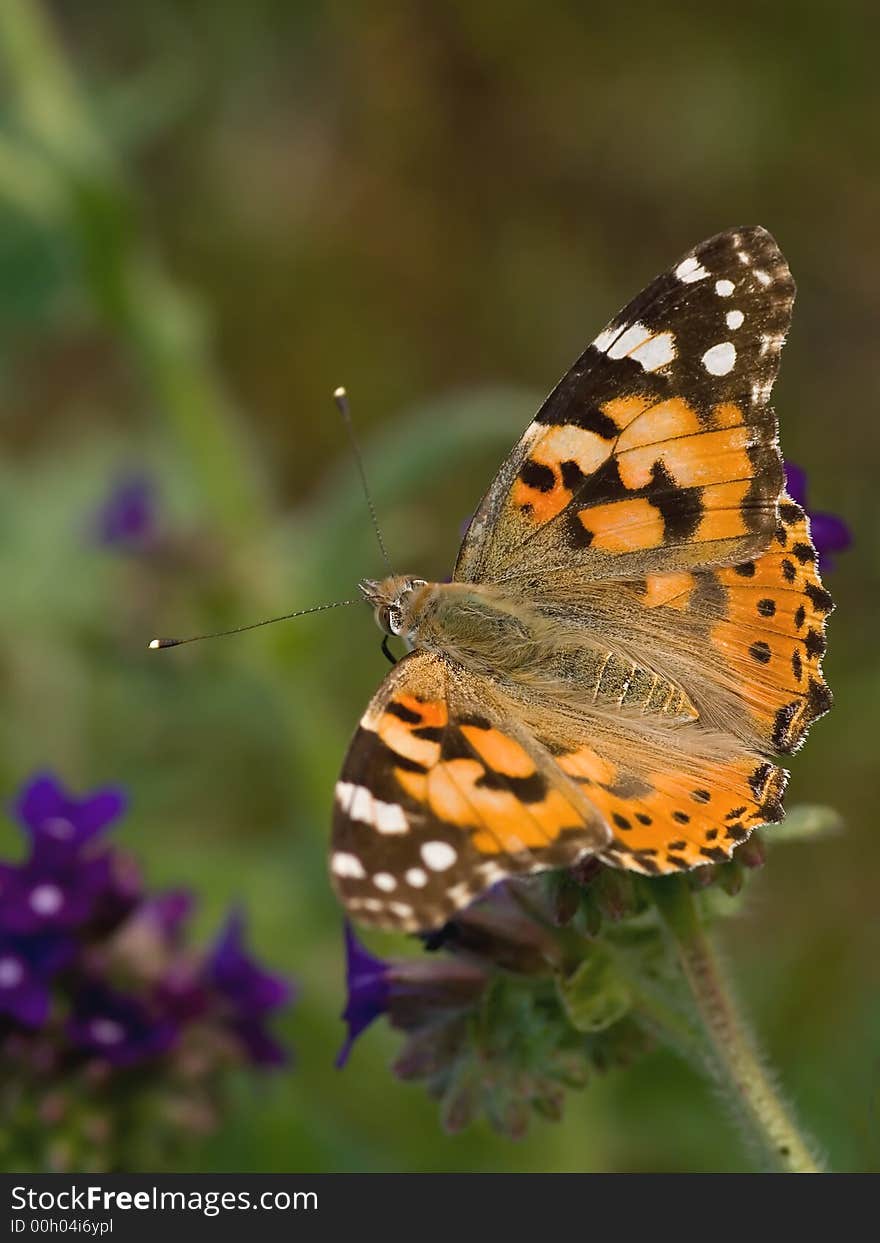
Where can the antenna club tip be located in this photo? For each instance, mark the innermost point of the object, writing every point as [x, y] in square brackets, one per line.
[155, 644]
[340, 393]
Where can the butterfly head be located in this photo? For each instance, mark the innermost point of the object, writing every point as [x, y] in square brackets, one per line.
[393, 600]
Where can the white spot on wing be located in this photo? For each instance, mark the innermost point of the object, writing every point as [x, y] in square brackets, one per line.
[637, 334]
[461, 894]
[403, 909]
[358, 803]
[438, 856]
[344, 864]
[605, 338]
[734, 319]
[720, 359]
[417, 878]
[724, 288]
[763, 277]
[385, 881]
[690, 270]
[390, 818]
[657, 352]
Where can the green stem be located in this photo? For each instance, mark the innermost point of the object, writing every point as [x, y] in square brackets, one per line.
[733, 1060]
[60, 170]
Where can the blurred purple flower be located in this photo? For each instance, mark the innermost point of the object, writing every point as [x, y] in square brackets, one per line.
[168, 912]
[368, 983]
[77, 903]
[122, 894]
[121, 1030]
[128, 518]
[248, 991]
[260, 1045]
[239, 978]
[182, 992]
[27, 965]
[37, 897]
[830, 533]
[58, 823]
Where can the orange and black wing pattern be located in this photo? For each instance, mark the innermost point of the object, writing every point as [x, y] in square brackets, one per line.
[658, 449]
[438, 799]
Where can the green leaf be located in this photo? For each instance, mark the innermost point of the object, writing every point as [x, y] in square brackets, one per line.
[594, 995]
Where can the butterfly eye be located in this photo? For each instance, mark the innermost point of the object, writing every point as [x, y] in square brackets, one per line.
[389, 618]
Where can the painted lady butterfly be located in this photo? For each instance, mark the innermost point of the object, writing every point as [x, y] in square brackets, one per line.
[633, 629]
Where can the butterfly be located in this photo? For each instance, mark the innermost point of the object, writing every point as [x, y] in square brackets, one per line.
[633, 631]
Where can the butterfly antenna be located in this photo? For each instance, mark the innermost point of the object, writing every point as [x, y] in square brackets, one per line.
[156, 644]
[340, 396]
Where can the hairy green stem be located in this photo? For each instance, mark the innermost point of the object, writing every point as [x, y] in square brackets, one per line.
[733, 1060]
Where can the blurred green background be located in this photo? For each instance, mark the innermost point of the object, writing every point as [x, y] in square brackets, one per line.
[211, 214]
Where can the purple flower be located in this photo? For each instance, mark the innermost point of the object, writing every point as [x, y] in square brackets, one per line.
[58, 823]
[248, 992]
[36, 897]
[260, 1045]
[27, 965]
[128, 517]
[411, 991]
[368, 981]
[830, 533]
[240, 979]
[119, 1029]
[168, 912]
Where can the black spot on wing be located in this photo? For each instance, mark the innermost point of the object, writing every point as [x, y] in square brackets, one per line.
[573, 478]
[815, 643]
[527, 789]
[403, 713]
[590, 418]
[804, 553]
[536, 475]
[715, 853]
[819, 598]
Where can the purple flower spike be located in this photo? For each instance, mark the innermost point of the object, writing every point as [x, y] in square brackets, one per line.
[829, 532]
[118, 1029]
[369, 991]
[128, 518]
[239, 979]
[27, 965]
[58, 823]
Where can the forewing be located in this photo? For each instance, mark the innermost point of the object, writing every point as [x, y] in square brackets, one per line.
[658, 449]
